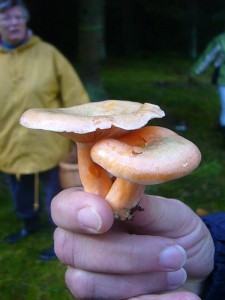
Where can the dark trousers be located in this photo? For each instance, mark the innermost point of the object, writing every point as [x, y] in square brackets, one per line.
[23, 191]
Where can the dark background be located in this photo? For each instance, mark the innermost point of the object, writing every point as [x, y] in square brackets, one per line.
[133, 27]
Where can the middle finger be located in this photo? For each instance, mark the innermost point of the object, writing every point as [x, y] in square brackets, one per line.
[118, 252]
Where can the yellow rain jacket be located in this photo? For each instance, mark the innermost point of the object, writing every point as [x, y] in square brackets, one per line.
[34, 75]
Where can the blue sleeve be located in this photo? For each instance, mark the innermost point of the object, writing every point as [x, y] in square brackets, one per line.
[214, 287]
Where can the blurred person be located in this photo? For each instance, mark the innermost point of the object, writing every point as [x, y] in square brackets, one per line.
[214, 54]
[158, 255]
[33, 74]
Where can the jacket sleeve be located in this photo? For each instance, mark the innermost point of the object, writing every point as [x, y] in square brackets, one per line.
[72, 90]
[212, 53]
[214, 287]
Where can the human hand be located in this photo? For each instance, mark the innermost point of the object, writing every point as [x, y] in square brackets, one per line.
[151, 254]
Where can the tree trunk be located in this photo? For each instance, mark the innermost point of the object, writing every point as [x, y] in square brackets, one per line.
[193, 28]
[91, 46]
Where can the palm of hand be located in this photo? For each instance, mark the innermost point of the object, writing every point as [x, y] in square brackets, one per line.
[127, 255]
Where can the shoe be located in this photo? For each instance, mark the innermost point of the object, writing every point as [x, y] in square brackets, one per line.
[17, 236]
[30, 226]
[48, 254]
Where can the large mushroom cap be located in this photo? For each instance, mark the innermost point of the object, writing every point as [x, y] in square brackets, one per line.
[89, 117]
[148, 156]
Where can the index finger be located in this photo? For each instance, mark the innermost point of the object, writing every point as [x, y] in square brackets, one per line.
[81, 212]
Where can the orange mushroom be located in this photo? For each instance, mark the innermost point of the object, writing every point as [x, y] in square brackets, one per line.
[146, 156]
[88, 123]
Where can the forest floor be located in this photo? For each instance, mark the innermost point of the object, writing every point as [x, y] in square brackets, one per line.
[161, 80]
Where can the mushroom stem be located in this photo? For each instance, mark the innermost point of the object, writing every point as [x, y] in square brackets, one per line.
[123, 197]
[94, 178]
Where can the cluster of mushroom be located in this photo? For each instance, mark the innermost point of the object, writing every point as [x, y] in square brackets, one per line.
[113, 141]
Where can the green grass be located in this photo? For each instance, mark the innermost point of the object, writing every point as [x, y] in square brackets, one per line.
[22, 275]
[159, 80]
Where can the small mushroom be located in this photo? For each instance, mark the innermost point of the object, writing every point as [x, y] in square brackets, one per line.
[87, 123]
[146, 156]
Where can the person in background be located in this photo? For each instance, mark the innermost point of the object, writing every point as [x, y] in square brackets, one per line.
[214, 54]
[33, 74]
[158, 255]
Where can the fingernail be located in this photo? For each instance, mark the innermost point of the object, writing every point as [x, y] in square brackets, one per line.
[177, 278]
[89, 219]
[172, 258]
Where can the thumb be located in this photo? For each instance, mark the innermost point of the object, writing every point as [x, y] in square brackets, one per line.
[163, 216]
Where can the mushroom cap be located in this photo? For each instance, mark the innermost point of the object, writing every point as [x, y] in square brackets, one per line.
[150, 155]
[90, 117]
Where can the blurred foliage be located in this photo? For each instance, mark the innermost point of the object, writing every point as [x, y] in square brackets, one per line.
[160, 80]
